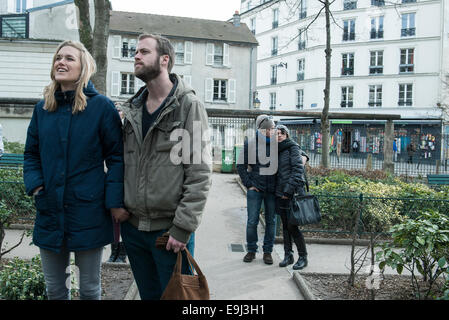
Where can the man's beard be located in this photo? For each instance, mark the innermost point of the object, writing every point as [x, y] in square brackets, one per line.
[148, 73]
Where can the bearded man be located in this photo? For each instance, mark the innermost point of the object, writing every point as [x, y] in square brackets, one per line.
[166, 187]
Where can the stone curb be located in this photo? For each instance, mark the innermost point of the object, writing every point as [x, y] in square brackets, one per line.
[303, 287]
[132, 292]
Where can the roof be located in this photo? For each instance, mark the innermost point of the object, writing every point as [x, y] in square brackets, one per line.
[180, 27]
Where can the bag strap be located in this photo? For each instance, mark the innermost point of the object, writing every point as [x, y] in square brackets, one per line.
[191, 261]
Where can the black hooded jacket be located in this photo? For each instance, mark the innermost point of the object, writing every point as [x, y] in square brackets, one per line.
[290, 178]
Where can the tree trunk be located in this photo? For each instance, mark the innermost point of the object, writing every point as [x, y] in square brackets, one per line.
[84, 27]
[99, 37]
[99, 51]
[325, 126]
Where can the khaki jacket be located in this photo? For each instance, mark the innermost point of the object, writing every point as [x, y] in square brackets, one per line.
[159, 193]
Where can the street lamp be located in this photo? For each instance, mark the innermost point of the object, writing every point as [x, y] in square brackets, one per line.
[256, 103]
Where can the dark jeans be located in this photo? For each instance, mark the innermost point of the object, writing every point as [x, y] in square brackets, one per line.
[290, 231]
[254, 202]
[152, 268]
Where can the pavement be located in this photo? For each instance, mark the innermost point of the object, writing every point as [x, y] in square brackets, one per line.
[219, 250]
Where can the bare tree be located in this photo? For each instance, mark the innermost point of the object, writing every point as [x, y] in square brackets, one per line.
[295, 5]
[96, 40]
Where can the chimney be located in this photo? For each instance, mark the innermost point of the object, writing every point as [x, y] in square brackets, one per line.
[236, 19]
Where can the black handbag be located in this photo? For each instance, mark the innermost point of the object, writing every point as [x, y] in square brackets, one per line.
[304, 209]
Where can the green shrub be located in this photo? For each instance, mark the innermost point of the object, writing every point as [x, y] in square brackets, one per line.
[14, 202]
[22, 280]
[423, 247]
[385, 203]
[13, 147]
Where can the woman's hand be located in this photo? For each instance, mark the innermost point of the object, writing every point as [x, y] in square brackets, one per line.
[36, 191]
[254, 188]
[119, 214]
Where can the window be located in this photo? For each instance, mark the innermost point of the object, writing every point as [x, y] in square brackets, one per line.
[220, 90]
[128, 48]
[274, 74]
[408, 1]
[14, 26]
[375, 96]
[407, 61]
[408, 25]
[273, 101]
[216, 54]
[377, 27]
[405, 94]
[275, 23]
[347, 97]
[348, 30]
[300, 99]
[253, 25]
[274, 46]
[302, 39]
[349, 4]
[378, 3]
[127, 83]
[21, 6]
[179, 52]
[301, 67]
[376, 62]
[347, 68]
[302, 9]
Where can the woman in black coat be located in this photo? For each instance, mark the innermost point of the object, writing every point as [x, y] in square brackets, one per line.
[290, 180]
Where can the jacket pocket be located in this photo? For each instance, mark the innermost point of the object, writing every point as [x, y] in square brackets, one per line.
[40, 201]
[90, 193]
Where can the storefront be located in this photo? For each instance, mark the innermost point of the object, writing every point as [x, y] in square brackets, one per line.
[420, 139]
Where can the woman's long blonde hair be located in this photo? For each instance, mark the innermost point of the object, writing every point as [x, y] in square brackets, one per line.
[88, 68]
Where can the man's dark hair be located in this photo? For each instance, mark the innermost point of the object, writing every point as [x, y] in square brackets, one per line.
[164, 47]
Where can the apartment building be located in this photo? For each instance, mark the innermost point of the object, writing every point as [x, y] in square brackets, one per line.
[389, 57]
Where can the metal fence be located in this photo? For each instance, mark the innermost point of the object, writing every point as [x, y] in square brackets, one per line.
[421, 150]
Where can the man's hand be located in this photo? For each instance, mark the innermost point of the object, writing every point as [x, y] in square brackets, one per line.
[36, 191]
[119, 214]
[174, 244]
[254, 188]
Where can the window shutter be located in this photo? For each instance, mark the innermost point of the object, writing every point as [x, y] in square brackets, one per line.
[139, 84]
[231, 91]
[188, 80]
[226, 55]
[209, 86]
[210, 54]
[115, 83]
[188, 52]
[116, 41]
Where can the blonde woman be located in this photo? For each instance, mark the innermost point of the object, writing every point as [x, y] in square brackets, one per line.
[71, 133]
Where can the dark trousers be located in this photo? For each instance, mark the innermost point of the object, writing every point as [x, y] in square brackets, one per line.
[290, 231]
[152, 267]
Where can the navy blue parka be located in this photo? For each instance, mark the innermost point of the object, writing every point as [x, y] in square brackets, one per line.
[65, 154]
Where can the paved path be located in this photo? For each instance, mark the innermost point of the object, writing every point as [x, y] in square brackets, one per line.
[223, 224]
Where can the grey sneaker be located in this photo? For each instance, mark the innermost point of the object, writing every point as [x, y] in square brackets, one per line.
[250, 256]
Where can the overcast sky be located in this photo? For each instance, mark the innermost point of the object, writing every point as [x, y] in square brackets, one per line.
[203, 9]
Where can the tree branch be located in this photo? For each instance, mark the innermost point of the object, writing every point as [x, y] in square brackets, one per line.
[18, 244]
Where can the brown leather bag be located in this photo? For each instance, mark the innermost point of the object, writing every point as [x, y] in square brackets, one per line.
[184, 286]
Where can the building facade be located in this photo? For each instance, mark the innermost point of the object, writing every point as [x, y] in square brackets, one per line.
[389, 57]
[212, 56]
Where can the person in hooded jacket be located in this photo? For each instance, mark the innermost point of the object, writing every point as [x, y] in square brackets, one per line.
[290, 180]
[72, 132]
